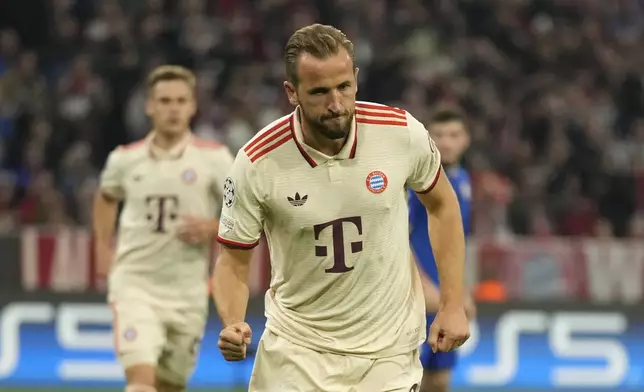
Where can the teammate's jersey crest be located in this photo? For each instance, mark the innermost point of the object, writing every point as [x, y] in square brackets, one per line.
[377, 181]
[130, 334]
[189, 176]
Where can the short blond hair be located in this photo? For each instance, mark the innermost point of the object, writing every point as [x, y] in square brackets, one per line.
[171, 72]
[318, 40]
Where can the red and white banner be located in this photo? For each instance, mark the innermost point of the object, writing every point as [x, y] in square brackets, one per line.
[531, 268]
[562, 269]
[63, 261]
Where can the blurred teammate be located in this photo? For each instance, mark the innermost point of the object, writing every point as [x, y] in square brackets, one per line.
[326, 184]
[447, 128]
[171, 184]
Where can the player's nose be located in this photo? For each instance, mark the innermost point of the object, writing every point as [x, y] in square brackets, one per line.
[335, 103]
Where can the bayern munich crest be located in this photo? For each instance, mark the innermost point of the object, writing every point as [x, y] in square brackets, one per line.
[129, 334]
[376, 182]
[189, 176]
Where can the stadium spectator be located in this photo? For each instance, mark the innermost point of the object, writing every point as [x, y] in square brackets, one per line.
[554, 88]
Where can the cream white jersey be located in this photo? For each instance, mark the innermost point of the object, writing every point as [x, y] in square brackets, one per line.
[159, 189]
[337, 229]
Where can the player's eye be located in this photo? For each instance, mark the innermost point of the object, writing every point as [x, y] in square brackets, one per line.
[318, 91]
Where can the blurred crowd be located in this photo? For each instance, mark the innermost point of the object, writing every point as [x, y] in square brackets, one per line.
[553, 89]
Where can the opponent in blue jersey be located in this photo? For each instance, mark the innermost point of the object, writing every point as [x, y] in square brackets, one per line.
[447, 128]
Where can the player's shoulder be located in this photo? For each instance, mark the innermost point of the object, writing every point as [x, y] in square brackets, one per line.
[458, 174]
[463, 174]
[373, 115]
[210, 149]
[269, 142]
[205, 144]
[129, 152]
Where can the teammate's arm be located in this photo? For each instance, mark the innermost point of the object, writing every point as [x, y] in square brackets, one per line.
[241, 225]
[105, 210]
[201, 229]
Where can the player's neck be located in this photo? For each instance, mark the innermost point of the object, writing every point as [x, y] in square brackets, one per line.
[450, 166]
[167, 142]
[320, 143]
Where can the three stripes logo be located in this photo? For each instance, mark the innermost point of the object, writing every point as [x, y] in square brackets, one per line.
[297, 201]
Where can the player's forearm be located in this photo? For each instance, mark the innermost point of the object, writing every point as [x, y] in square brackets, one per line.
[230, 286]
[104, 218]
[213, 228]
[448, 243]
[431, 293]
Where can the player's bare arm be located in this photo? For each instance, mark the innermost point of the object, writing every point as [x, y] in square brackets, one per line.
[450, 328]
[430, 290]
[104, 218]
[230, 293]
[197, 230]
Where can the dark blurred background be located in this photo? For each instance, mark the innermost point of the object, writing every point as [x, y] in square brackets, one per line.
[553, 89]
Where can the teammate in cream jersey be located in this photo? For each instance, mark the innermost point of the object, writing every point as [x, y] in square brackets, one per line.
[327, 185]
[171, 186]
[160, 188]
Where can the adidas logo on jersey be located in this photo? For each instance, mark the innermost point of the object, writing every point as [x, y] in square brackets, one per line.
[297, 201]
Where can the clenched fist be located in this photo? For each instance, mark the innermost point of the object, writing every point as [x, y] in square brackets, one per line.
[233, 341]
[450, 328]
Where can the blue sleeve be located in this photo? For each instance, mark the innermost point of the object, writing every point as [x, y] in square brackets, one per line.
[464, 195]
[419, 236]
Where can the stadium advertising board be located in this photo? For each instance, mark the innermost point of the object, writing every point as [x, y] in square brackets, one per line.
[531, 268]
[515, 347]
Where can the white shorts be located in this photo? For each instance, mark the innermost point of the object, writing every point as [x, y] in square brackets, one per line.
[282, 366]
[166, 338]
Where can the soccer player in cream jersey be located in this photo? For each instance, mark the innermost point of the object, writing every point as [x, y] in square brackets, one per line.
[171, 185]
[326, 184]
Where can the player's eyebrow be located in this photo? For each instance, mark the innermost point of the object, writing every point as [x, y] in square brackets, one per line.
[324, 90]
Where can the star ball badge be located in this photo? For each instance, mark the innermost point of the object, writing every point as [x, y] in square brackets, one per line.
[229, 192]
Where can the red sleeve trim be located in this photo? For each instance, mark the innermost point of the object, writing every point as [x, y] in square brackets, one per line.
[235, 244]
[431, 186]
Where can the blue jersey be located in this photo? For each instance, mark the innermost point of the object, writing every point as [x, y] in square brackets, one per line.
[460, 180]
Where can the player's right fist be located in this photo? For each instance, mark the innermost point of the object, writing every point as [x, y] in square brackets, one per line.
[233, 341]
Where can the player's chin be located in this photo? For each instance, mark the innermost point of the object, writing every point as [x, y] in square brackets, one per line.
[336, 131]
[174, 128]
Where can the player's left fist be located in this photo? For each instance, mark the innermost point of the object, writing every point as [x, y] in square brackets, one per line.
[193, 230]
[450, 328]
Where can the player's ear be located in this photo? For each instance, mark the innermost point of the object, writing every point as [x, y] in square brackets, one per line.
[193, 107]
[355, 75]
[291, 93]
[467, 138]
[149, 110]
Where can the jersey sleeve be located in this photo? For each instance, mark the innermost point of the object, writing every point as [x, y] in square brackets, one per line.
[241, 221]
[425, 159]
[112, 176]
[222, 165]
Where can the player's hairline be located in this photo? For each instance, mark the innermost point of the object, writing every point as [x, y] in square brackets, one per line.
[447, 114]
[318, 40]
[169, 73]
